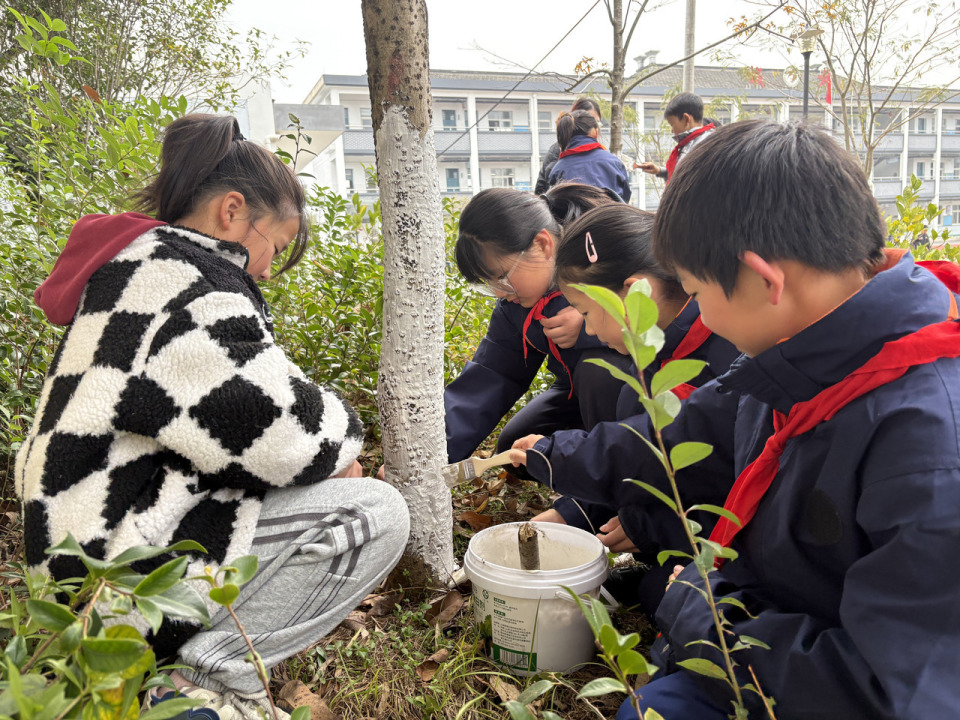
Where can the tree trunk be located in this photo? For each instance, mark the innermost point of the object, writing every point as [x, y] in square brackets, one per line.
[410, 388]
[616, 80]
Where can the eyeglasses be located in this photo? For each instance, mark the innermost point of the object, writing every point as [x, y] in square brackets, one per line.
[502, 283]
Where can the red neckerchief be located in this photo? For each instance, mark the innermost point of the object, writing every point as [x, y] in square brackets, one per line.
[696, 336]
[940, 340]
[675, 153]
[587, 147]
[536, 313]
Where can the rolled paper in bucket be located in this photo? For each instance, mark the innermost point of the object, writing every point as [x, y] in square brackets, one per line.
[530, 622]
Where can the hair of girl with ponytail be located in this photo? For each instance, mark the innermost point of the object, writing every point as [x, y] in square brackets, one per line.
[622, 247]
[568, 201]
[499, 222]
[206, 155]
[570, 125]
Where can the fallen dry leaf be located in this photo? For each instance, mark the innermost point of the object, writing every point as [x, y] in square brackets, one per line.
[428, 668]
[295, 694]
[384, 604]
[495, 486]
[511, 504]
[475, 520]
[356, 621]
[504, 688]
[480, 501]
[443, 611]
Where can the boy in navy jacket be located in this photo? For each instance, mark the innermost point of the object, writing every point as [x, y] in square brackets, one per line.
[850, 389]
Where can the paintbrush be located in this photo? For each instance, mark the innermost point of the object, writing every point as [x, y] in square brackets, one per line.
[471, 468]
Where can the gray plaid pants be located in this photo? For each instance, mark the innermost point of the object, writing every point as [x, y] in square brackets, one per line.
[321, 549]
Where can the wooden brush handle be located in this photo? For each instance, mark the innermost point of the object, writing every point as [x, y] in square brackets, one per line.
[479, 466]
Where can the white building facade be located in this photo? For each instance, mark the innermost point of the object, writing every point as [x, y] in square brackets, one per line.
[492, 129]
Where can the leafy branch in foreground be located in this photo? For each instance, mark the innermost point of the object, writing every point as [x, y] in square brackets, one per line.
[637, 315]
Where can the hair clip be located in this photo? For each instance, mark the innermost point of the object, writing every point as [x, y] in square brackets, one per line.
[591, 249]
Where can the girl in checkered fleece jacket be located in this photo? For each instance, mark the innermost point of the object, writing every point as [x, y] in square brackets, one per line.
[169, 413]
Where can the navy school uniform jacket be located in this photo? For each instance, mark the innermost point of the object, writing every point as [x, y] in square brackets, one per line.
[849, 567]
[597, 167]
[580, 456]
[499, 374]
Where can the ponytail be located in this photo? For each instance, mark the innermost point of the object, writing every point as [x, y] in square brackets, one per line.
[568, 201]
[205, 155]
[570, 125]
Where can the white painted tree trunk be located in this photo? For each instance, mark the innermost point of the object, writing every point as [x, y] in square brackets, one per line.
[410, 389]
[689, 43]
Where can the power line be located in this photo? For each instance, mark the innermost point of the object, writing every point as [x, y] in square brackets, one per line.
[521, 80]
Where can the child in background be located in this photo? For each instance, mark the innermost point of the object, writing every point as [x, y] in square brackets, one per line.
[553, 152]
[684, 115]
[583, 159]
[168, 414]
[507, 242]
[839, 425]
[612, 246]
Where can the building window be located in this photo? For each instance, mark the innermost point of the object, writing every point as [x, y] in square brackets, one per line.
[955, 215]
[921, 170]
[544, 120]
[502, 177]
[921, 125]
[346, 117]
[449, 119]
[500, 120]
[886, 168]
[453, 179]
[349, 173]
[366, 119]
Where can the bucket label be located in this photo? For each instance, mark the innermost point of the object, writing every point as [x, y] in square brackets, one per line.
[522, 660]
[510, 624]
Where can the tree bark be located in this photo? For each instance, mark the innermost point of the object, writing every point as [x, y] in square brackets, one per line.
[689, 45]
[616, 80]
[410, 387]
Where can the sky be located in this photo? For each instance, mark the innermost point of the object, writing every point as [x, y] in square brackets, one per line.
[521, 32]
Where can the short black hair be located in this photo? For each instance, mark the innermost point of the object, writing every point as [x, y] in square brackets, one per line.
[499, 222]
[587, 103]
[686, 103]
[786, 191]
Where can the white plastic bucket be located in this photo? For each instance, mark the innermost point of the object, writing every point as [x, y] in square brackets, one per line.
[531, 623]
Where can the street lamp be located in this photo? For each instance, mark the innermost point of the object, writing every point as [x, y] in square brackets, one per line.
[808, 41]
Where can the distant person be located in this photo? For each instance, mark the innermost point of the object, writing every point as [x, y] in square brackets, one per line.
[922, 240]
[584, 160]
[684, 115]
[553, 153]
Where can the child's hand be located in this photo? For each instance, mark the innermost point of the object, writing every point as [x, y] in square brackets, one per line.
[382, 473]
[551, 516]
[677, 569]
[564, 327]
[612, 535]
[518, 453]
[647, 167]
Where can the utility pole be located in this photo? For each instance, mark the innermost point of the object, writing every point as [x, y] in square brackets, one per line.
[688, 45]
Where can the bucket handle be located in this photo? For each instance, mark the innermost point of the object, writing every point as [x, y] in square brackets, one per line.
[610, 602]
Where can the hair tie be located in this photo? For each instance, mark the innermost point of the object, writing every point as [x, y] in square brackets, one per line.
[591, 249]
[238, 136]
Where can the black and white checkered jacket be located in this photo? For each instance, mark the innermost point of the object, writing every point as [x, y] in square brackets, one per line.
[168, 410]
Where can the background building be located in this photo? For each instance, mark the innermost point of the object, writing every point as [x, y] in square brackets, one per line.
[491, 130]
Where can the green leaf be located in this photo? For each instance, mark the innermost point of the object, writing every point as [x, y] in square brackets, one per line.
[658, 493]
[601, 686]
[668, 407]
[687, 453]
[703, 667]
[69, 546]
[716, 510]
[151, 613]
[70, 638]
[549, 715]
[632, 663]
[301, 713]
[241, 570]
[539, 688]
[642, 353]
[112, 655]
[632, 380]
[224, 595]
[664, 555]
[182, 601]
[605, 298]
[170, 708]
[145, 552]
[163, 578]
[675, 373]
[50, 616]
[651, 714]
[16, 651]
[753, 642]
[642, 311]
[518, 711]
